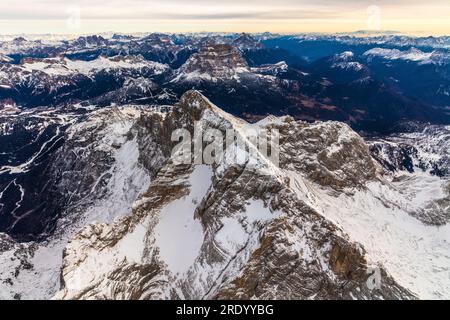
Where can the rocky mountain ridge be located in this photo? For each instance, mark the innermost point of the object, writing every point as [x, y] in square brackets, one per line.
[244, 230]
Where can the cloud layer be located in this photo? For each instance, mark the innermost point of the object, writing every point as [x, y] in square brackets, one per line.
[226, 15]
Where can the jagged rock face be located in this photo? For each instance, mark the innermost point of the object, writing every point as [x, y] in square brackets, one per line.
[229, 221]
[162, 48]
[329, 153]
[277, 270]
[218, 61]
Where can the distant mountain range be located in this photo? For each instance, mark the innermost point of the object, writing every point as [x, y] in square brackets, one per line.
[370, 83]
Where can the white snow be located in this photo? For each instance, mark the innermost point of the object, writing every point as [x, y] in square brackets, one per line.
[37, 283]
[237, 239]
[232, 236]
[412, 54]
[344, 61]
[179, 235]
[127, 181]
[66, 66]
[193, 76]
[237, 229]
[92, 268]
[256, 212]
[348, 65]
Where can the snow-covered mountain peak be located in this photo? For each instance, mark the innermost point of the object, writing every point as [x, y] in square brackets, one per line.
[345, 56]
[412, 54]
[346, 61]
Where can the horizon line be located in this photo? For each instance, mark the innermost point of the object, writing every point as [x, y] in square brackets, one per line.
[355, 32]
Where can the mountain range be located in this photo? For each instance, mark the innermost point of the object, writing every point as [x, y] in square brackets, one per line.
[370, 85]
[94, 205]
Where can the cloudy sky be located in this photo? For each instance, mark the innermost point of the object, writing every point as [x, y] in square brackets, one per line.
[284, 16]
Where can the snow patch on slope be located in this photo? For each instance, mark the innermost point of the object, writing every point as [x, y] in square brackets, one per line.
[179, 235]
[412, 54]
[129, 249]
